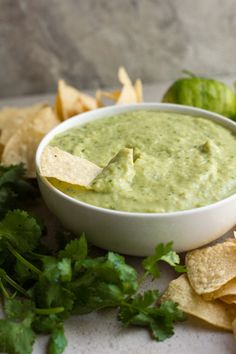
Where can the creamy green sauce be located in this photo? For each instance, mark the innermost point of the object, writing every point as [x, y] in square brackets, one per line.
[153, 161]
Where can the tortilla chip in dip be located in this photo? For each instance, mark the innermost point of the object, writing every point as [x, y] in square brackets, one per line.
[21, 147]
[118, 174]
[215, 312]
[65, 167]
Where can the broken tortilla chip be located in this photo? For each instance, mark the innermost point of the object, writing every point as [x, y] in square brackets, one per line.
[21, 147]
[215, 313]
[70, 101]
[66, 167]
[212, 267]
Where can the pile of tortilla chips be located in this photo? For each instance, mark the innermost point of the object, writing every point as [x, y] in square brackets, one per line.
[208, 289]
[22, 129]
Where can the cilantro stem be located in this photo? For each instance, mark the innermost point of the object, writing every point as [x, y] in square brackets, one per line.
[143, 278]
[4, 290]
[49, 311]
[23, 260]
[12, 282]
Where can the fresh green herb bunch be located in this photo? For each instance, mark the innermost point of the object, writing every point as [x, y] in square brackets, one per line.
[41, 290]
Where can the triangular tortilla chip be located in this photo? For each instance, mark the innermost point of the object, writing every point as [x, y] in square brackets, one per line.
[128, 93]
[210, 268]
[70, 101]
[215, 312]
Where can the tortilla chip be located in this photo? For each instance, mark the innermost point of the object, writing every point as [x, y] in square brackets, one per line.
[22, 145]
[212, 267]
[100, 95]
[216, 313]
[62, 186]
[123, 76]
[66, 167]
[70, 101]
[139, 90]
[128, 93]
[229, 289]
[12, 118]
[228, 299]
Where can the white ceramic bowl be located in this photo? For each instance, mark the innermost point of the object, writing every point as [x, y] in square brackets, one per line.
[138, 233]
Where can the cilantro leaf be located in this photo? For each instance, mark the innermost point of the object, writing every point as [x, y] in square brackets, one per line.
[96, 296]
[164, 317]
[162, 253]
[11, 174]
[21, 230]
[18, 309]
[13, 189]
[23, 274]
[46, 324]
[142, 310]
[76, 249]
[16, 337]
[55, 270]
[113, 269]
[104, 283]
[48, 294]
[129, 311]
[58, 341]
[64, 267]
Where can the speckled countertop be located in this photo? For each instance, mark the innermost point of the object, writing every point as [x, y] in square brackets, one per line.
[101, 333]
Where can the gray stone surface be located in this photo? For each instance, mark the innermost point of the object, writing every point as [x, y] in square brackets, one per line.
[85, 41]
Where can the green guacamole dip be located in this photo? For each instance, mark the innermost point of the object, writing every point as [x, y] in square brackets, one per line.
[153, 161]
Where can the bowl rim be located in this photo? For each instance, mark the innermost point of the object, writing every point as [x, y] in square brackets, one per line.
[101, 113]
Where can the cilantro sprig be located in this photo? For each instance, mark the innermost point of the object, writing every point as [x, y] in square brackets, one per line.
[14, 188]
[40, 290]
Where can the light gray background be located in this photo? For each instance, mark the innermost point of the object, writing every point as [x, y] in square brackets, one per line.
[84, 41]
